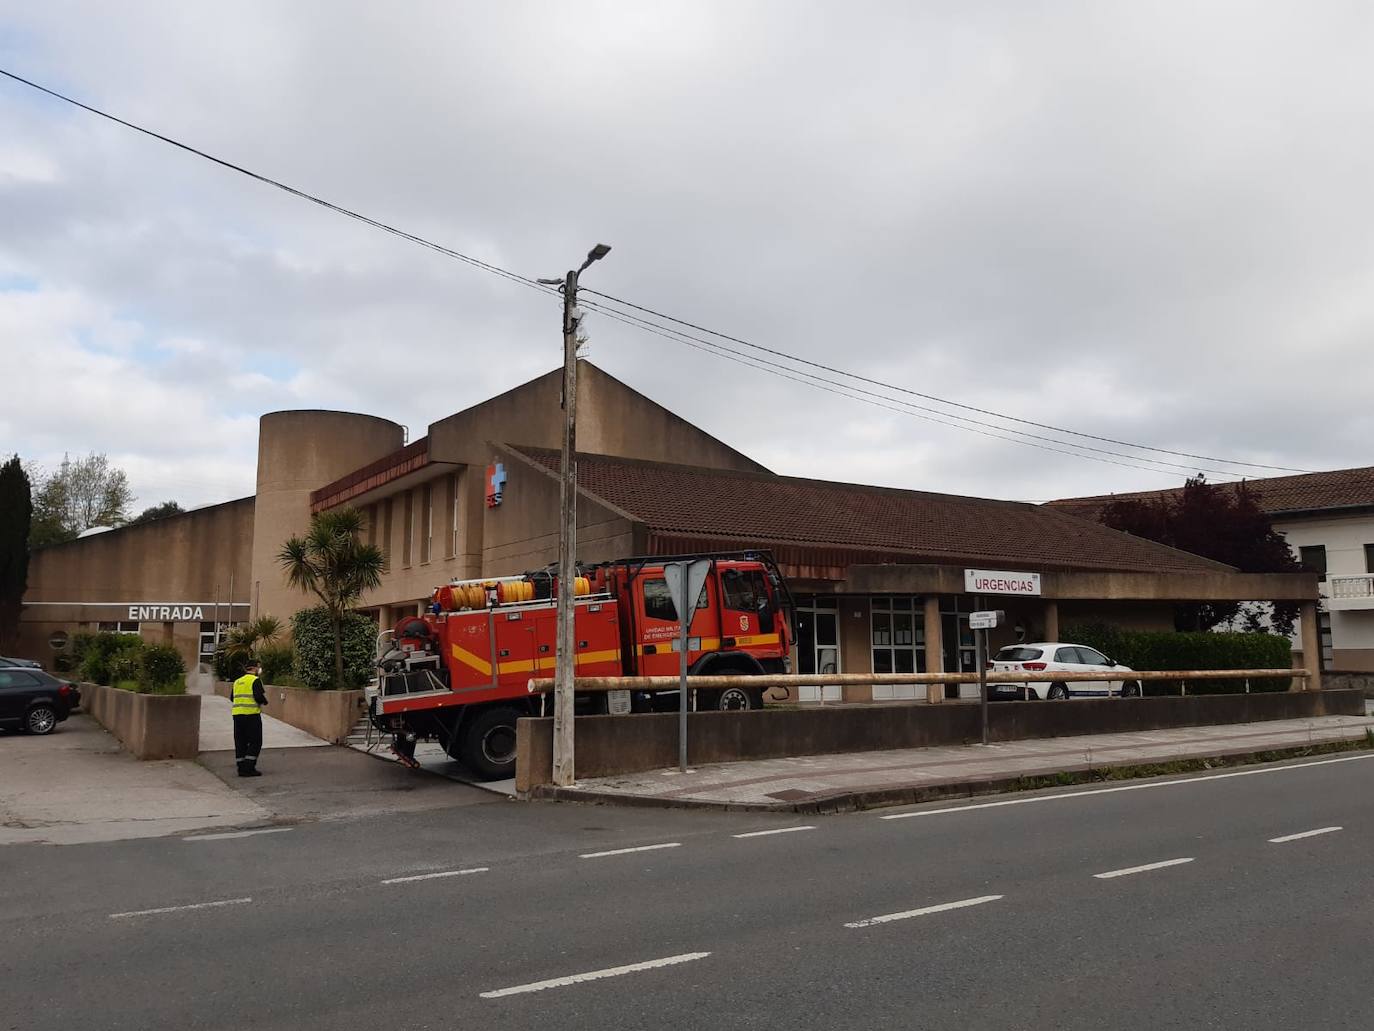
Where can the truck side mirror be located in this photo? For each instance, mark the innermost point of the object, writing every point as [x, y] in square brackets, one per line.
[765, 616]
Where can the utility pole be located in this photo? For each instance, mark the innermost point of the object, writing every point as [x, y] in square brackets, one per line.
[565, 659]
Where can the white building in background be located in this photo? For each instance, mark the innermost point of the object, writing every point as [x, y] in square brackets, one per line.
[1328, 520]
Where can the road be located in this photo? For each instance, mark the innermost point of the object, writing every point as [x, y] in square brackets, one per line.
[1186, 903]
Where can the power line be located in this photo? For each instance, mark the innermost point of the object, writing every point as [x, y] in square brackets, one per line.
[877, 400]
[673, 334]
[932, 397]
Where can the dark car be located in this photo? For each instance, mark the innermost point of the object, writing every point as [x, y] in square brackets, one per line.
[34, 701]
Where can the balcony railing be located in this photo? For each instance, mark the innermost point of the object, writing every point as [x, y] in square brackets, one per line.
[1350, 592]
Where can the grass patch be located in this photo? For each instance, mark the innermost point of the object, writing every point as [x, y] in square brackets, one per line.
[1069, 778]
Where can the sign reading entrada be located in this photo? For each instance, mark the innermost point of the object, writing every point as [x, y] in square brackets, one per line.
[166, 613]
[997, 581]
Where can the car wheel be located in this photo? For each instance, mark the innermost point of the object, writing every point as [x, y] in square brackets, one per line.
[41, 719]
[1130, 689]
[1058, 692]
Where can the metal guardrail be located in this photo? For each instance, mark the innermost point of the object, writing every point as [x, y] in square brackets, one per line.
[543, 685]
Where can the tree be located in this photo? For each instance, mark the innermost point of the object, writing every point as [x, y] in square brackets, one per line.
[81, 494]
[1219, 522]
[162, 511]
[331, 562]
[16, 518]
[244, 643]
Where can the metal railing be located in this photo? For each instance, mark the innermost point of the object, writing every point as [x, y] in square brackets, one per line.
[542, 685]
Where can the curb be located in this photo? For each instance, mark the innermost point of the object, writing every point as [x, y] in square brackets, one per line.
[855, 800]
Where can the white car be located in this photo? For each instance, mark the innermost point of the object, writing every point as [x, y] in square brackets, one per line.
[1052, 656]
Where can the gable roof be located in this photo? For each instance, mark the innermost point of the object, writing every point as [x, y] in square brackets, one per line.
[1276, 495]
[763, 509]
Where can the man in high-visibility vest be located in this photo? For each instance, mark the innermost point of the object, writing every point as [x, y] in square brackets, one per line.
[247, 701]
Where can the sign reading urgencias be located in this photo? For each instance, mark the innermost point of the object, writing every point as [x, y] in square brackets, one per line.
[998, 581]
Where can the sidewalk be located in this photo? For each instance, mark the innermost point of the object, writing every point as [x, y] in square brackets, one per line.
[78, 785]
[217, 723]
[858, 780]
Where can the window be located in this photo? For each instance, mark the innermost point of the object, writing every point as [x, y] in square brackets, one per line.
[427, 514]
[659, 603]
[1069, 655]
[898, 637]
[1092, 657]
[386, 527]
[453, 515]
[1369, 558]
[1313, 559]
[14, 678]
[121, 627]
[743, 591]
[1017, 655]
[408, 529]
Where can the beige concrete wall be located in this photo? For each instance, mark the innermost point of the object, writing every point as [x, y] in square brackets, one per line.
[188, 558]
[299, 452]
[329, 715]
[148, 726]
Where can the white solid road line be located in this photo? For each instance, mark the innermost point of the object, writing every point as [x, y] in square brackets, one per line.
[238, 834]
[178, 909]
[1141, 869]
[595, 975]
[908, 914]
[1126, 787]
[1304, 834]
[778, 830]
[627, 851]
[431, 876]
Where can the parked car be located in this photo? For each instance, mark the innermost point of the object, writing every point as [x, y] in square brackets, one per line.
[28, 663]
[1052, 656]
[34, 701]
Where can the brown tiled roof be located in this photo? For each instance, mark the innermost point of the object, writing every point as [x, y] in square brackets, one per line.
[907, 526]
[414, 455]
[1307, 492]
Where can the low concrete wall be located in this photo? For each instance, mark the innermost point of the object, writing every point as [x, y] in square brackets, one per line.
[611, 745]
[149, 726]
[1358, 681]
[326, 714]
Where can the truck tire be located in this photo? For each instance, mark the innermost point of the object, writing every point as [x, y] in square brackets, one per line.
[733, 699]
[488, 743]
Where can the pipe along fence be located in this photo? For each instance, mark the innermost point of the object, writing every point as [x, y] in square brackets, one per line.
[543, 685]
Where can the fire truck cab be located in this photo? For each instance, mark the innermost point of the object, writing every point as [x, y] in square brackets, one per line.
[460, 672]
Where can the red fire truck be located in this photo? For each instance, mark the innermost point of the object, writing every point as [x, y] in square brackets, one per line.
[460, 673]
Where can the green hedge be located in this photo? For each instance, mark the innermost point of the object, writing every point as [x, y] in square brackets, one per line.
[1146, 650]
[123, 660]
[278, 661]
[314, 637]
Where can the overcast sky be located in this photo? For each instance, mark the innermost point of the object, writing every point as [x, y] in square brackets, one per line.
[1149, 222]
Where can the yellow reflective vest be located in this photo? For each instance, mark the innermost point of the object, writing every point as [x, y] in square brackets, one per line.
[243, 701]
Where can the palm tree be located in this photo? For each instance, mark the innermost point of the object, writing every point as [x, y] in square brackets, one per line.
[332, 563]
[243, 642]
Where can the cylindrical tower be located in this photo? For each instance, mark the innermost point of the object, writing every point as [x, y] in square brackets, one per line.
[299, 452]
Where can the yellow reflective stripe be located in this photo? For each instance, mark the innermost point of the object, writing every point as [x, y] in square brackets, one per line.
[756, 639]
[466, 657]
[548, 662]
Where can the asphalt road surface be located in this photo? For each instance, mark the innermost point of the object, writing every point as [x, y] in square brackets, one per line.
[1239, 900]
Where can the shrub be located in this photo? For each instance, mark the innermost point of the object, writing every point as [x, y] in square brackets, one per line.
[315, 648]
[104, 657]
[1146, 650]
[277, 661]
[161, 670]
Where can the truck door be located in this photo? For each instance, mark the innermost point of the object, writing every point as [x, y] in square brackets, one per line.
[748, 619]
[658, 626]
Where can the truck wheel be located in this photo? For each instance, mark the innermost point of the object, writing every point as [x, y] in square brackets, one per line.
[734, 699]
[489, 744]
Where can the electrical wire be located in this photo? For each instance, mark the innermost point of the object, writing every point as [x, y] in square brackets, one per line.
[932, 397]
[668, 332]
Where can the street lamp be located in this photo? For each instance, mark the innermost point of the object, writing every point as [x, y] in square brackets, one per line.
[565, 659]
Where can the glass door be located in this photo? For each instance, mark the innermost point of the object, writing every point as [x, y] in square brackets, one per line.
[818, 644]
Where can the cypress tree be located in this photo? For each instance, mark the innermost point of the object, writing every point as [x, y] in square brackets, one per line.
[16, 513]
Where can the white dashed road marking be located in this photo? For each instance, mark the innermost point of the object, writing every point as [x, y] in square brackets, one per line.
[908, 914]
[1304, 834]
[627, 851]
[1147, 786]
[239, 834]
[431, 876]
[595, 975]
[778, 830]
[178, 909]
[1141, 869]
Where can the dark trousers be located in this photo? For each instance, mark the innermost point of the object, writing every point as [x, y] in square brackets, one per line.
[247, 741]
